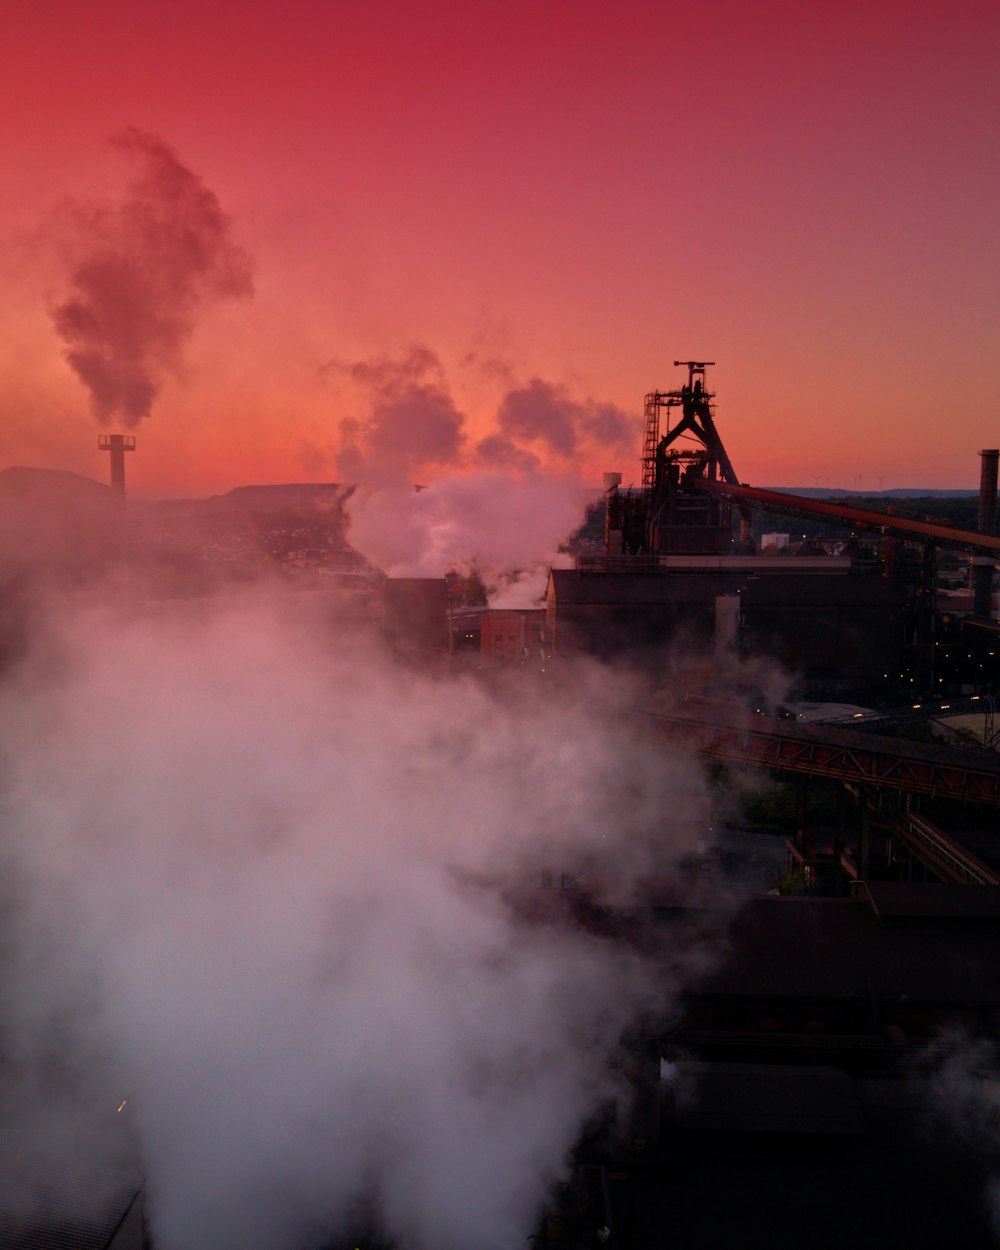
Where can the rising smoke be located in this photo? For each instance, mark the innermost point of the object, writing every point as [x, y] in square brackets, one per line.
[142, 269]
[496, 523]
[502, 504]
[412, 426]
[283, 895]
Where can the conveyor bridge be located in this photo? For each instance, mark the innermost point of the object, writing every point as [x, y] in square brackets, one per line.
[725, 733]
[884, 523]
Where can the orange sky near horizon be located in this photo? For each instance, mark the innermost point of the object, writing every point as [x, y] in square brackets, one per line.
[553, 199]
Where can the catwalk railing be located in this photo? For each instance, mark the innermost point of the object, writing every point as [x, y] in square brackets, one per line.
[946, 858]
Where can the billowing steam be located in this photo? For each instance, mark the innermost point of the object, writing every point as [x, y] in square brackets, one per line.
[499, 524]
[286, 898]
[502, 504]
[142, 271]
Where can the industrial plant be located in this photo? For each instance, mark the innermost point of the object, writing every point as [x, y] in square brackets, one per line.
[844, 902]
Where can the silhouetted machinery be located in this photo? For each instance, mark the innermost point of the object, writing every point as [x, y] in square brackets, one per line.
[683, 513]
[667, 516]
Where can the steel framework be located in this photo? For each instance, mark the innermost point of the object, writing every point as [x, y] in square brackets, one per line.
[861, 759]
[673, 455]
[947, 858]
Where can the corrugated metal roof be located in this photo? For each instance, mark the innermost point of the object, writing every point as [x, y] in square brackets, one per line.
[130, 1234]
[65, 1204]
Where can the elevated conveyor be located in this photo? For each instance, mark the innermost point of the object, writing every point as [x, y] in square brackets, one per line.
[884, 523]
[729, 733]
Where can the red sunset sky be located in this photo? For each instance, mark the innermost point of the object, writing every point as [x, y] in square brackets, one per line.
[456, 210]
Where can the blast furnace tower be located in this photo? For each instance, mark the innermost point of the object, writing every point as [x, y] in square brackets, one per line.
[668, 517]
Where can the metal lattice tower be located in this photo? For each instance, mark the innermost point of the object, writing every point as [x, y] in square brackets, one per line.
[654, 401]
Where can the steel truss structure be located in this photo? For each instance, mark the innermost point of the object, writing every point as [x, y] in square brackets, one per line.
[859, 759]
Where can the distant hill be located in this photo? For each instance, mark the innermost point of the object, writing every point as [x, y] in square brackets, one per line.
[55, 525]
[20, 485]
[282, 495]
[306, 497]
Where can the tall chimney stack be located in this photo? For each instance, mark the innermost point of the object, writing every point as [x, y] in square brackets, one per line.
[118, 445]
[982, 566]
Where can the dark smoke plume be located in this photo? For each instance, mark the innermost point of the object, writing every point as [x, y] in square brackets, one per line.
[413, 425]
[143, 269]
[546, 414]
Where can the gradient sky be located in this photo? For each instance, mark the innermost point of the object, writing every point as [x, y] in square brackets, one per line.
[573, 192]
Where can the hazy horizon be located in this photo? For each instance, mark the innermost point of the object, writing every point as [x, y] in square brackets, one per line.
[261, 251]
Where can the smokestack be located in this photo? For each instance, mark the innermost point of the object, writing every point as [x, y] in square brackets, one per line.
[982, 566]
[118, 445]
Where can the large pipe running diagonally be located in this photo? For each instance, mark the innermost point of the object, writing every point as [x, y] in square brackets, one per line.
[885, 523]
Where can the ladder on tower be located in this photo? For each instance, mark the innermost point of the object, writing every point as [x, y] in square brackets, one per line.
[651, 441]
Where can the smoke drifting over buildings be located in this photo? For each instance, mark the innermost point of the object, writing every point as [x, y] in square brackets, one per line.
[268, 896]
[501, 525]
[502, 504]
[142, 270]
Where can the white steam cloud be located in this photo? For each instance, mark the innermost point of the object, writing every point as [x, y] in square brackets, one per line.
[142, 270]
[492, 521]
[284, 896]
[503, 505]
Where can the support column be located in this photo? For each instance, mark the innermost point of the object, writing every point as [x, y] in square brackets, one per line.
[117, 445]
[982, 566]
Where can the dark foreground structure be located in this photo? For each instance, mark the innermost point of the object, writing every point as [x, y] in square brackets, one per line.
[839, 629]
[833, 1081]
[830, 1079]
